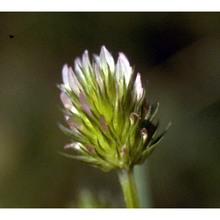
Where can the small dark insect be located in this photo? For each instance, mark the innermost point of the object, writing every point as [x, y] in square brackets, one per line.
[11, 36]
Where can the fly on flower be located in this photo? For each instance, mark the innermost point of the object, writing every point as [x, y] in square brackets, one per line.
[110, 123]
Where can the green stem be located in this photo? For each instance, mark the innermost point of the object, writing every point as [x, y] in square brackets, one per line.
[127, 182]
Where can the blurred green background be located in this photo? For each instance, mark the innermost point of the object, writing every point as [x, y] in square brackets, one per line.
[178, 55]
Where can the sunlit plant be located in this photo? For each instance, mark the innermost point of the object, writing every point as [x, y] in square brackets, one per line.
[110, 123]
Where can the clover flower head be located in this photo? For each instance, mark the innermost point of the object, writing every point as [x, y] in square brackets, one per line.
[110, 123]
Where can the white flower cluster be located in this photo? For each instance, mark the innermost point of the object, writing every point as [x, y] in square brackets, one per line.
[105, 108]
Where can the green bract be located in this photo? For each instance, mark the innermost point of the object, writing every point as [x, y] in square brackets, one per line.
[110, 123]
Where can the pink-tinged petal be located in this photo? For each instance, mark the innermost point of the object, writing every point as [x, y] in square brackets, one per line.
[123, 150]
[65, 75]
[102, 123]
[106, 58]
[90, 149]
[65, 100]
[67, 103]
[67, 117]
[123, 68]
[73, 82]
[72, 124]
[138, 89]
[116, 91]
[84, 103]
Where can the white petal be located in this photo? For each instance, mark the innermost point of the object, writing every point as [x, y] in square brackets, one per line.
[123, 68]
[138, 87]
[74, 145]
[97, 59]
[77, 68]
[74, 110]
[77, 146]
[98, 77]
[106, 58]
[65, 76]
[85, 60]
[78, 62]
[73, 82]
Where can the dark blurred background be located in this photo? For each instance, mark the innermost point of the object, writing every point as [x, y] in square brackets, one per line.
[178, 55]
